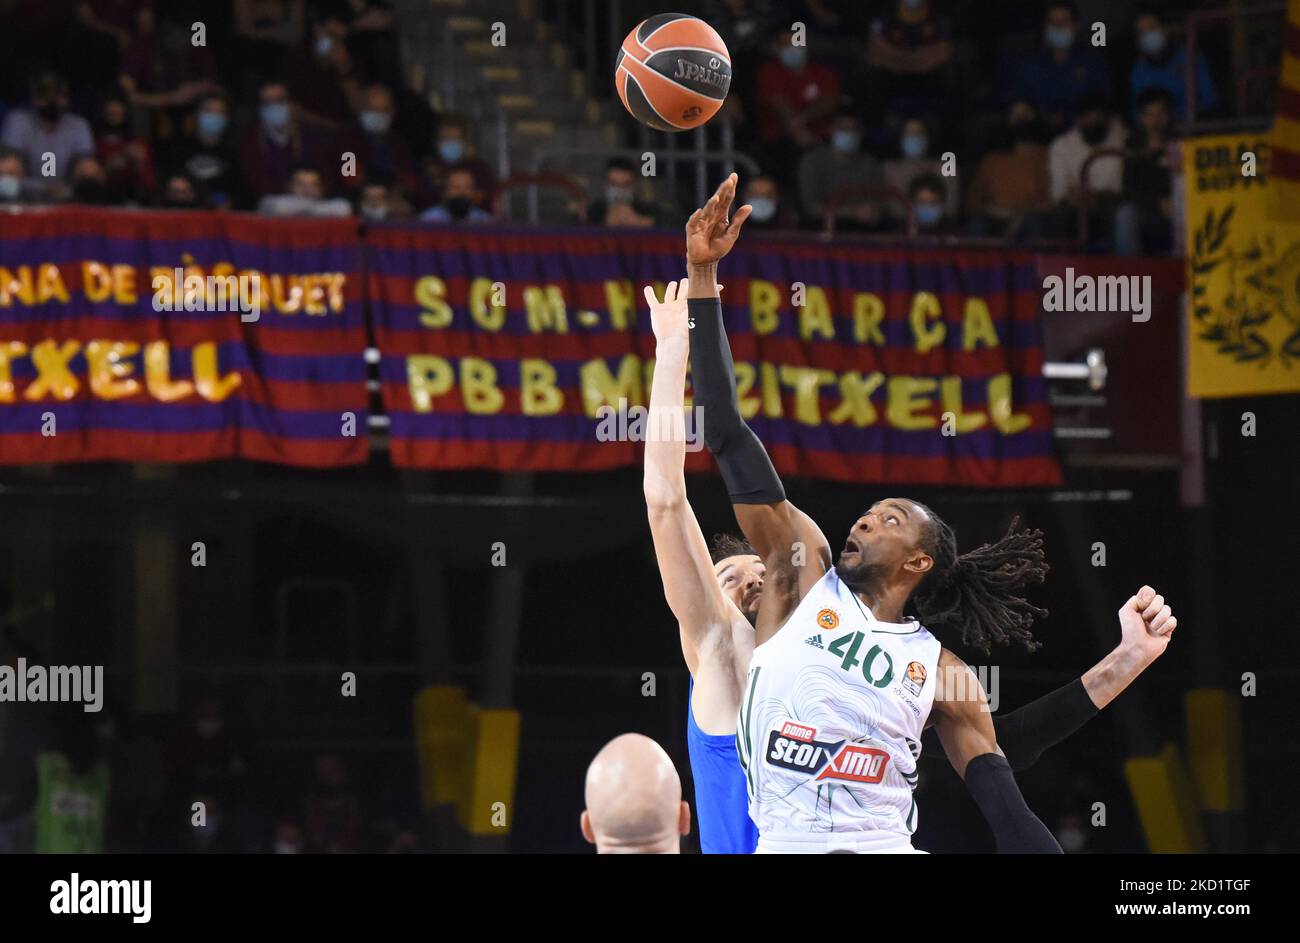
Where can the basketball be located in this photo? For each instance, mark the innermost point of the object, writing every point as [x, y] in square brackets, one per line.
[672, 72]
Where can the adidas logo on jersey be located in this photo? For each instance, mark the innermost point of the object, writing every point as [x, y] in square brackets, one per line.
[815, 642]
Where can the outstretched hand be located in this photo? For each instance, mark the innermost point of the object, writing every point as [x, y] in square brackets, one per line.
[710, 233]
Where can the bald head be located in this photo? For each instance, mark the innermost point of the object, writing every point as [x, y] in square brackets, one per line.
[634, 799]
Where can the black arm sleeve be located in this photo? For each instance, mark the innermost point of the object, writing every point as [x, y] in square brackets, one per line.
[741, 458]
[1026, 732]
[1016, 829]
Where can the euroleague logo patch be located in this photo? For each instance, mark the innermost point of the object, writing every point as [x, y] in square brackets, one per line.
[796, 747]
[828, 619]
[915, 678]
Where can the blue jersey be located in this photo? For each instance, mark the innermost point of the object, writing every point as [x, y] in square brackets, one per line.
[721, 798]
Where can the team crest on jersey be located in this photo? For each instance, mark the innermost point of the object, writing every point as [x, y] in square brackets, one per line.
[795, 747]
[828, 619]
[915, 678]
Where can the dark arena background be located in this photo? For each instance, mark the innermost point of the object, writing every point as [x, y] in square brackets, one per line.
[355, 558]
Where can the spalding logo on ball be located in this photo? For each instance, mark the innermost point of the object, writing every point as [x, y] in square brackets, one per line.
[673, 72]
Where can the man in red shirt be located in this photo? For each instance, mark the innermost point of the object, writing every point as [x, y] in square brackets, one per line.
[796, 101]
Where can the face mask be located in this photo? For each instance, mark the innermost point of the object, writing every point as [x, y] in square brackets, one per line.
[375, 122]
[845, 141]
[457, 207]
[914, 145]
[794, 57]
[1059, 37]
[50, 111]
[286, 848]
[619, 195]
[207, 729]
[372, 212]
[1152, 42]
[212, 124]
[451, 150]
[764, 208]
[928, 214]
[1094, 134]
[275, 115]
[9, 186]
[324, 45]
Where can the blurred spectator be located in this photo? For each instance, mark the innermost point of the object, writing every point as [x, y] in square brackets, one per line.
[1062, 73]
[180, 192]
[618, 204]
[379, 200]
[47, 127]
[321, 75]
[929, 196]
[206, 756]
[838, 165]
[454, 149]
[278, 143]
[1162, 63]
[770, 211]
[332, 813]
[99, 30]
[206, 152]
[915, 157]
[1143, 222]
[1094, 129]
[909, 47]
[461, 200]
[798, 101]
[126, 156]
[15, 186]
[373, 39]
[161, 67]
[89, 183]
[379, 149]
[287, 838]
[266, 30]
[72, 787]
[217, 832]
[1011, 184]
[306, 197]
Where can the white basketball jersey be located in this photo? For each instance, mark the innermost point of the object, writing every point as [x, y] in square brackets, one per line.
[829, 731]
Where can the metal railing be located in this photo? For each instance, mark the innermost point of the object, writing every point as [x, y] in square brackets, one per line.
[533, 181]
[701, 157]
[852, 195]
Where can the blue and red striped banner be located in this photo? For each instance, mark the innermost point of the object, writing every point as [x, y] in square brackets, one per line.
[97, 362]
[500, 348]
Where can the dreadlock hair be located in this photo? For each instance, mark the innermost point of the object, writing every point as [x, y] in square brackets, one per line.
[729, 545]
[979, 593]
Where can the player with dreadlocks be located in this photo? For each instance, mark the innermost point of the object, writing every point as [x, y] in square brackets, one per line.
[842, 682]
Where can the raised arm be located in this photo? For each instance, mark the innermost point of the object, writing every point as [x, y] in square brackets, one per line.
[683, 556]
[794, 550]
[1146, 625]
[961, 717]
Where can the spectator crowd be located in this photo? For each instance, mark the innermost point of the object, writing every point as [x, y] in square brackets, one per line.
[892, 116]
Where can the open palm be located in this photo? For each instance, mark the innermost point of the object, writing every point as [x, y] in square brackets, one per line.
[710, 234]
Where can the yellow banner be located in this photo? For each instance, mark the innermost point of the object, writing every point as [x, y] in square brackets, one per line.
[1243, 272]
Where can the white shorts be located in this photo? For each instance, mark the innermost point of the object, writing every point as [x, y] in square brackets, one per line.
[824, 843]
